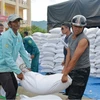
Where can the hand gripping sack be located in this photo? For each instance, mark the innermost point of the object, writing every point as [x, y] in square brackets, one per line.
[44, 84]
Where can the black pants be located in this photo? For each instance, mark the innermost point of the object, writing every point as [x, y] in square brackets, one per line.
[9, 84]
[79, 81]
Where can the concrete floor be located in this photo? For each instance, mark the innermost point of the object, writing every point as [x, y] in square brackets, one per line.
[24, 92]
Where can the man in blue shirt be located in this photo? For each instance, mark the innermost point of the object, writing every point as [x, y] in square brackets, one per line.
[11, 44]
[65, 28]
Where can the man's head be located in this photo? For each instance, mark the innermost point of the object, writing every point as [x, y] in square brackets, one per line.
[14, 21]
[65, 28]
[25, 33]
[78, 23]
[1, 27]
[79, 20]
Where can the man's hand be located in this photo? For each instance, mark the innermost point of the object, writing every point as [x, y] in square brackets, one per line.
[32, 56]
[20, 76]
[29, 69]
[64, 78]
[63, 63]
[64, 69]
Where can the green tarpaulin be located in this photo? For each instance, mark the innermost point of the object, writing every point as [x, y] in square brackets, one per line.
[63, 12]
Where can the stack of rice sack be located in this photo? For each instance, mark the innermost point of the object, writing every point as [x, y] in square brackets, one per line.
[52, 52]
[97, 50]
[39, 39]
[91, 34]
[47, 63]
[59, 57]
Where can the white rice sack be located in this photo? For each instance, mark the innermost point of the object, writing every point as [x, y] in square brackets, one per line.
[57, 64]
[46, 70]
[39, 34]
[59, 46]
[92, 46]
[53, 40]
[98, 33]
[59, 55]
[92, 56]
[57, 51]
[56, 69]
[47, 58]
[46, 66]
[53, 45]
[59, 60]
[92, 51]
[91, 32]
[51, 63]
[93, 74]
[85, 30]
[40, 97]
[92, 64]
[53, 36]
[55, 30]
[2, 92]
[49, 49]
[44, 84]
[97, 75]
[93, 70]
[19, 60]
[97, 57]
[98, 71]
[97, 61]
[97, 66]
[46, 53]
[97, 40]
[91, 36]
[92, 41]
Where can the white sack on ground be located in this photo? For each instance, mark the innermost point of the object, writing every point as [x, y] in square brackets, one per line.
[2, 92]
[44, 84]
[40, 97]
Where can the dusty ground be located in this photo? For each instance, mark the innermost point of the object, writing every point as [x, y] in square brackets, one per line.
[24, 92]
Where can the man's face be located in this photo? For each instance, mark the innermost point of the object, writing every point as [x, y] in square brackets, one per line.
[1, 28]
[77, 29]
[64, 29]
[15, 25]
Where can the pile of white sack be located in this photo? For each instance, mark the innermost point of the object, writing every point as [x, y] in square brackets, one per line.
[51, 51]
[94, 37]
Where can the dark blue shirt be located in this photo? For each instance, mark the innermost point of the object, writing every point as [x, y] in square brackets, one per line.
[66, 41]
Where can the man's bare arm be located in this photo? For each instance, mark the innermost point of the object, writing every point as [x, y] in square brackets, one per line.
[82, 45]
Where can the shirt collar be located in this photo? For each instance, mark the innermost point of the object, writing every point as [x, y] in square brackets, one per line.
[12, 33]
[1, 33]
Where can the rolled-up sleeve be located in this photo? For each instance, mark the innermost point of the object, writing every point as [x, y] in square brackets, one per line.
[24, 56]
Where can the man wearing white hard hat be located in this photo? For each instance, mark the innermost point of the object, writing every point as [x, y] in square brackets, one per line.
[77, 62]
[11, 44]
